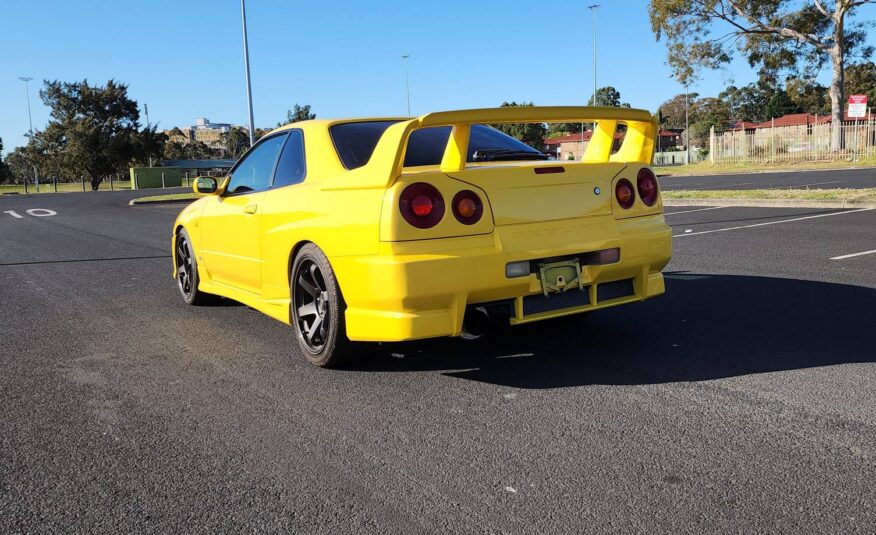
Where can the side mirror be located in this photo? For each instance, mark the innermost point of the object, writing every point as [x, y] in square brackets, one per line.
[205, 185]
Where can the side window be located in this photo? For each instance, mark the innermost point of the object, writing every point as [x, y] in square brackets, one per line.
[254, 172]
[291, 167]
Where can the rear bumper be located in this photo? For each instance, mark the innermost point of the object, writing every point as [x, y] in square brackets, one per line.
[421, 289]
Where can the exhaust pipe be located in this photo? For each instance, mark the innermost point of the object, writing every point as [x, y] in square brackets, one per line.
[475, 323]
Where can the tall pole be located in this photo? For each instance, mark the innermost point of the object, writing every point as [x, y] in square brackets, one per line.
[593, 9]
[246, 64]
[686, 129]
[407, 83]
[36, 176]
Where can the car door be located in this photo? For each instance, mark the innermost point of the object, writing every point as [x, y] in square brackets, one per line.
[231, 225]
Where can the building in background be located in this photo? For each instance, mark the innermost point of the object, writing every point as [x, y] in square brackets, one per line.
[203, 130]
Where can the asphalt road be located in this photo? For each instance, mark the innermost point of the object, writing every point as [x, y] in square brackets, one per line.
[828, 179]
[741, 401]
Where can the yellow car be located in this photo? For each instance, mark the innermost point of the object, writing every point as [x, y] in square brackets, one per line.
[399, 229]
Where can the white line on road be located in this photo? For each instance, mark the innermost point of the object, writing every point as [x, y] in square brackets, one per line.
[862, 253]
[731, 185]
[815, 184]
[772, 222]
[697, 210]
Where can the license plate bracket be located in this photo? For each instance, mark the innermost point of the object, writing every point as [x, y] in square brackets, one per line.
[559, 277]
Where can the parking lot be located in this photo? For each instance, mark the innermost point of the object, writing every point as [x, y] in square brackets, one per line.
[742, 400]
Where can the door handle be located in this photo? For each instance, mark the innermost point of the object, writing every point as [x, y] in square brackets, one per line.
[250, 209]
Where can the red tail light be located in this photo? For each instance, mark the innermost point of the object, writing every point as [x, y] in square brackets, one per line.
[421, 205]
[467, 207]
[624, 193]
[646, 183]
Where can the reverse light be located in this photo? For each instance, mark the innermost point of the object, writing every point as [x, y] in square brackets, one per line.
[624, 193]
[421, 205]
[646, 183]
[517, 269]
[467, 207]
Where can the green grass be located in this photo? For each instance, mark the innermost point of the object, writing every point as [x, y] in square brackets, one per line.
[64, 187]
[165, 198]
[843, 194]
[705, 168]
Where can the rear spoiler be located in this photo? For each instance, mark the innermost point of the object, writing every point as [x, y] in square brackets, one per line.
[387, 160]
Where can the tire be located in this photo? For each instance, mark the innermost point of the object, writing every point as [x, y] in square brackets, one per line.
[317, 310]
[187, 278]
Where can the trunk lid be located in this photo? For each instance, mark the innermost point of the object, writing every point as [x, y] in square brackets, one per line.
[544, 191]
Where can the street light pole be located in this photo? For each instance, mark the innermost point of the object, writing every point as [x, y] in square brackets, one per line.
[246, 64]
[36, 176]
[686, 130]
[407, 83]
[593, 9]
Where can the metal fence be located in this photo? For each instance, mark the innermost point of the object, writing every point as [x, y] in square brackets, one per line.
[808, 142]
[678, 157]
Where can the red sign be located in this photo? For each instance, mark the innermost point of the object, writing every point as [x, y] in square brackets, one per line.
[857, 106]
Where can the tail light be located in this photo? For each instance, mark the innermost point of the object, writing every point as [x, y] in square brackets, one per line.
[646, 183]
[421, 205]
[467, 207]
[624, 193]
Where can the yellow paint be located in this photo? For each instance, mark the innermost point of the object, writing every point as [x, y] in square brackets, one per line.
[402, 283]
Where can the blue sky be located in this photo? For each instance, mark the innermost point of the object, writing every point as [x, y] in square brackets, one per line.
[184, 58]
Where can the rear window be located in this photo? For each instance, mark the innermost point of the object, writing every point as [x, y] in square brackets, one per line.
[355, 142]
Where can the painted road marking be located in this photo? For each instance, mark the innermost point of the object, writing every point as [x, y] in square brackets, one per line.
[862, 253]
[697, 210]
[41, 212]
[35, 212]
[816, 184]
[731, 185]
[772, 223]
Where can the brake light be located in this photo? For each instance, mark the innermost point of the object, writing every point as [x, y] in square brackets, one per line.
[624, 193]
[646, 183]
[421, 205]
[467, 207]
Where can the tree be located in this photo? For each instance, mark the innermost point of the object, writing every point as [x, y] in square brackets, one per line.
[5, 172]
[532, 134]
[234, 143]
[809, 96]
[93, 130]
[777, 35]
[298, 113]
[607, 96]
[780, 104]
[672, 111]
[861, 80]
[748, 103]
[193, 150]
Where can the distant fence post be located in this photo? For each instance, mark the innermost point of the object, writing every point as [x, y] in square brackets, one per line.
[712, 144]
[111, 183]
[162, 180]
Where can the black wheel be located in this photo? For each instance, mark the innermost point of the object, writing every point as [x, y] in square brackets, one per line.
[317, 309]
[187, 271]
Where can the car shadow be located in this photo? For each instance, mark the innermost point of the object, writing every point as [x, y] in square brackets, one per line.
[705, 327]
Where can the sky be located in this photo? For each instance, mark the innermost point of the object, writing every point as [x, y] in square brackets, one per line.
[184, 58]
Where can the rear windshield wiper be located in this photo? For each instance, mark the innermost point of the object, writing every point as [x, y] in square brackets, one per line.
[492, 155]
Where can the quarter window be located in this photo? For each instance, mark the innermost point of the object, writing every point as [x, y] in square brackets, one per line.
[254, 172]
[291, 168]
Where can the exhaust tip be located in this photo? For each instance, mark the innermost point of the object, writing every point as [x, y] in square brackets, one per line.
[475, 323]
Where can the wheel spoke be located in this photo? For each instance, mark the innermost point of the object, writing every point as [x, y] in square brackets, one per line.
[307, 287]
[314, 271]
[314, 329]
[307, 310]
